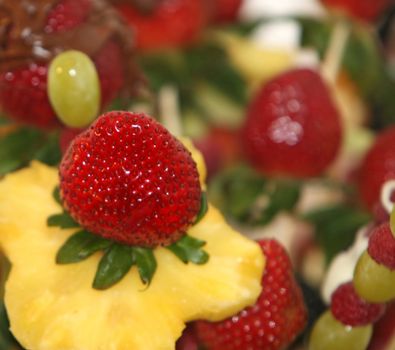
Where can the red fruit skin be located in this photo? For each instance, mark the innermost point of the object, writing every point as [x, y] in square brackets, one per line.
[128, 179]
[368, 10]
[292, 126]
[23, 91]
[172, 23]
[377, 167]
[67, 135]
[66, 15]
[23, 96]
[109, 66]
[278, 316]
[382, 246]
[384, 331]
[348, 308]
[188, 340]
[220, 148]
[226, 10]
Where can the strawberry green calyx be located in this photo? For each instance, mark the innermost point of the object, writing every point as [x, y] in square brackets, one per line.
[119, 258]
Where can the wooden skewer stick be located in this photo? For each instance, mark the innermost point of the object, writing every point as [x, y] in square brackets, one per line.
[169, 111]
[335, 51]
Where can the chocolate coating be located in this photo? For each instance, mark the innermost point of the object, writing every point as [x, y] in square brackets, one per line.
[23, 38]
[145, 6]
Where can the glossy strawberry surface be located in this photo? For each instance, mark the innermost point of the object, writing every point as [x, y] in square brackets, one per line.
[273, 322]
[128, 179]
[292, 126]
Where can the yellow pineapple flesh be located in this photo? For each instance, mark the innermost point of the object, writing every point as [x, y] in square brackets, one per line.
[54, 307]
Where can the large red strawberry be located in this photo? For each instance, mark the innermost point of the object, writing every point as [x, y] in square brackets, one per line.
[128, 179]
[273, 322]
[167, 23]
[368, 10]
[55, 26]
[292, 126]
[377, 167]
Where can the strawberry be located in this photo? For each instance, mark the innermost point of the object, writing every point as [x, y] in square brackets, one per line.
[377, 167]
[348, 307]
[220, 148]
[171, 23]
[23, 96]
[384, 330]
[226, 10]
[273, 322]
[368, 10]
[19, 88]
[382, 246]
[128, 179]
[66, 136]
[188, 340]
[109, 65]
[66, 15]
[292, 126]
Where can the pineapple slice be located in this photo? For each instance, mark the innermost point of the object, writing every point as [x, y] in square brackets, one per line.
[54, 307]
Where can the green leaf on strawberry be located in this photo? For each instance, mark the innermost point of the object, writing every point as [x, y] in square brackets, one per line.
[112, 268]
[62, 220]
[7, 341]
[203, 208]
[56, 195]
[188, 249]
[80, 246]
[114, 265]
[146, 263]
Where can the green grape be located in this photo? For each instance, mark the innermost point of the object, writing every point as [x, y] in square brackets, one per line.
[330, 334]
[372, 281]
[73, 88]
[392, 221]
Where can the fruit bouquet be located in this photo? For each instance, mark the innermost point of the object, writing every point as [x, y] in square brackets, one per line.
[197, 174]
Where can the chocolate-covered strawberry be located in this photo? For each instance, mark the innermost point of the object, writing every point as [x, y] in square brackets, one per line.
[32, 33]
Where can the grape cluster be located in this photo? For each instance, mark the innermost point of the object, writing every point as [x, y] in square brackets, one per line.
[358, 304]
